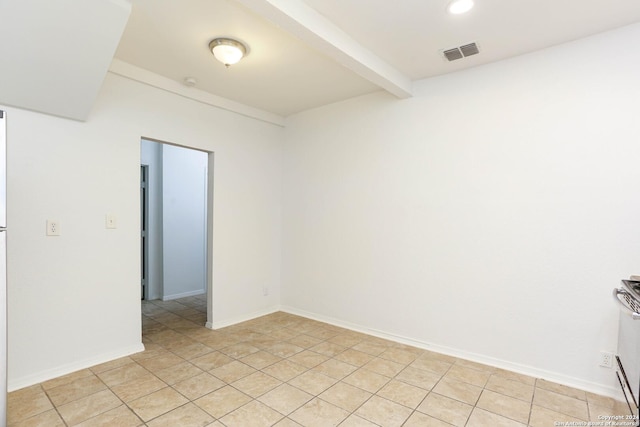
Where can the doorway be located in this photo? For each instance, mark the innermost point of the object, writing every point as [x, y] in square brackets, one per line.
[175, 209]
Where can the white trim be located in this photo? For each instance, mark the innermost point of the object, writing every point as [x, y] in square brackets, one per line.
[305, 23]
[38, 377]
[240, 319]
[183, 295]
[531, 371]
[124, 69]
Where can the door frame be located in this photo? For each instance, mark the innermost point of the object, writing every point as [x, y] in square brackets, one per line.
[209, 222]
[144, 226]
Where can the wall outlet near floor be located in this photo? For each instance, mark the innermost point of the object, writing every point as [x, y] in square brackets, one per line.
[606, 359]
[53, 227]
[265, 291]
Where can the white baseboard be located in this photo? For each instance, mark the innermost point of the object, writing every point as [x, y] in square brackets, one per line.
[531, 371]
[183, 295]
[29, 380]
[18, 383]
[243, 318]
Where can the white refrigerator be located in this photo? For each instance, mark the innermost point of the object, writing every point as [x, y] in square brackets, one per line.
[3, 268]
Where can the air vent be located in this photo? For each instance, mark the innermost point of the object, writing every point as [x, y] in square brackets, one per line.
[469, 49]
[461, 52]
[453, 54]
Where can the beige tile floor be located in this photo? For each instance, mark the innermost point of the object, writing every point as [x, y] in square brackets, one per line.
[284, 370]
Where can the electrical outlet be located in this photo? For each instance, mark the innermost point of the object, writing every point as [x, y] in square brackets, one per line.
[606, 359]
[265, 291]
[53, 227]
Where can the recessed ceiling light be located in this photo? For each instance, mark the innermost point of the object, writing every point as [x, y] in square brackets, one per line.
[456, 7]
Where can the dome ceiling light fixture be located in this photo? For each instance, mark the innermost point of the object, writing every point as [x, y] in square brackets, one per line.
[457, 7]
[228, 51]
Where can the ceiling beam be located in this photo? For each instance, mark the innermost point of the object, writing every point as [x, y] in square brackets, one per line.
[305, 23]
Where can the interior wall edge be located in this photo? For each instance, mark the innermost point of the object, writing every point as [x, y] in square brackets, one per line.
[49, 374]
[244, 318]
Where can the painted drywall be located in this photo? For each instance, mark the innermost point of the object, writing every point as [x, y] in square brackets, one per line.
[74, 300]
[64, 81]
[489, 216]
[184, 197]
[151, 156]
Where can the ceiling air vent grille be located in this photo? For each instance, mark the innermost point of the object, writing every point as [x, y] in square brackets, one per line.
[453, 54]
[461, 52]
[469, 49]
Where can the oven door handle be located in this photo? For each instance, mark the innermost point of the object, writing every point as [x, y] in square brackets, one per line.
[623, 307]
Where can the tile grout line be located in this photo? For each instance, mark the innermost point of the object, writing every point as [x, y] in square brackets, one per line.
[54, 406]
[166, 319]
[413, 410]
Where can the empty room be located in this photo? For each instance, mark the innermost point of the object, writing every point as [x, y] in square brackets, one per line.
[409, 213]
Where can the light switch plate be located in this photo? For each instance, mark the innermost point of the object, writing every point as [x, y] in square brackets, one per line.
[111, 221]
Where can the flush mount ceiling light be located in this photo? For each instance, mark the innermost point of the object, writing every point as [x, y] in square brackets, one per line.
[456, 7]
[227, 51]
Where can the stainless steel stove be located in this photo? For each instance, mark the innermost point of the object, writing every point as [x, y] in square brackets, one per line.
[628, 355]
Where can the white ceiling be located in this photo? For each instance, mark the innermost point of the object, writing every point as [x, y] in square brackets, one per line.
[411, 33]
[307, 59]
[281, 74]
[303, 53]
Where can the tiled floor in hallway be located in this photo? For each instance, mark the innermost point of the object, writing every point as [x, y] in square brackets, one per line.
[283, 370]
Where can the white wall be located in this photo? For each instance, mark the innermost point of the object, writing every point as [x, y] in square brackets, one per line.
[184, 221]
[151, 156]
[489, 216]
[74, 300]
